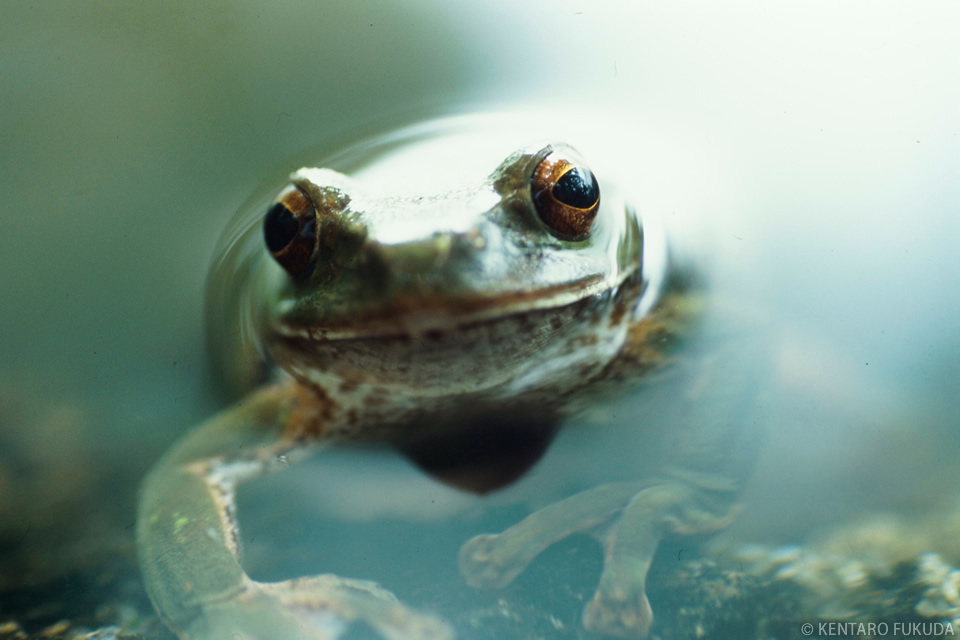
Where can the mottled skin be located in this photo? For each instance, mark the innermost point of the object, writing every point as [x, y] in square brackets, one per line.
[425, 319]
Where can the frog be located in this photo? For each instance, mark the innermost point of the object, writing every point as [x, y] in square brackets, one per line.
[463, 327]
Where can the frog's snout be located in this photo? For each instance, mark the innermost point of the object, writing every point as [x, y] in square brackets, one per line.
[440, 260]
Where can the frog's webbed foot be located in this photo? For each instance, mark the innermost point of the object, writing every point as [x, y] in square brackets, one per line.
[638, 517]
[313, 608]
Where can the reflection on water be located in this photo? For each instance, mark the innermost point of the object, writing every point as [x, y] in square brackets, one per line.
[810, 154]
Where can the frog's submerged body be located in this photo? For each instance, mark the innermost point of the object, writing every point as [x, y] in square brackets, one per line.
[462, 327]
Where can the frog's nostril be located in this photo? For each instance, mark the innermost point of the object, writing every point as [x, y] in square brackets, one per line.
[290, 232]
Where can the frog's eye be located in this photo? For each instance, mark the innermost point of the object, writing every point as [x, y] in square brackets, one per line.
[290, 231]
[566, 195]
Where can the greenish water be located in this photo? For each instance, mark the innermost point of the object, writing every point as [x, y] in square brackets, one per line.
[810, 150]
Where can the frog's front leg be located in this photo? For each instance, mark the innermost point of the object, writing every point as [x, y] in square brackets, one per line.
[188, 542]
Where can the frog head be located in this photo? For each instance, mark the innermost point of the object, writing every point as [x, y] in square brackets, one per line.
[461, 291]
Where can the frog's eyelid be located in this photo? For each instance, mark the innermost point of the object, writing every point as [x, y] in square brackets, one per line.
[315, 179]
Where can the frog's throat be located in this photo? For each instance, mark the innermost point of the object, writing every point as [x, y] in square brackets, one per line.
[418, 316]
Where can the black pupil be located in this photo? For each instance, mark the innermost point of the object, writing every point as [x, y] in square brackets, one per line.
[279, 227]
[577, 188]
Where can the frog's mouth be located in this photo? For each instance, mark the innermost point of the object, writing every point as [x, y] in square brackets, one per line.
[493, 349]
[422, 315]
